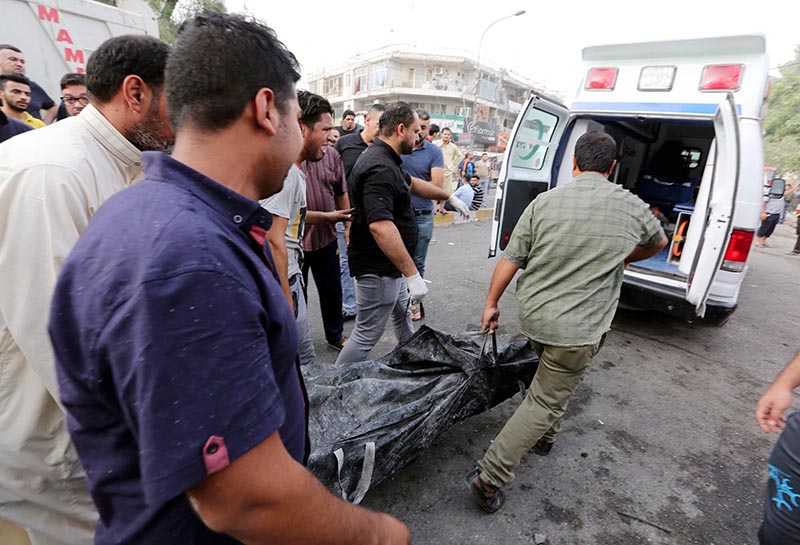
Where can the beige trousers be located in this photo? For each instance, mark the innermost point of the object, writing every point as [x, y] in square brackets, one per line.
[560, 371]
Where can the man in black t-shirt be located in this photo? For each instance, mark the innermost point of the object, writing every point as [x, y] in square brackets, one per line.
[13, 60]
[383, 234]
[351, 146]
[348, 125]
[781, 525]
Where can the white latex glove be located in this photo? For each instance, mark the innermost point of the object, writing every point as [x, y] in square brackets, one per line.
[417, 289]
[459, 205]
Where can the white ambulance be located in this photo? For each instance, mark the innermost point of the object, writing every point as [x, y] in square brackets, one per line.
[687, 119]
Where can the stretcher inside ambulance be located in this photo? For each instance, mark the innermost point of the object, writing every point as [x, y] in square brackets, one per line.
[686, 116]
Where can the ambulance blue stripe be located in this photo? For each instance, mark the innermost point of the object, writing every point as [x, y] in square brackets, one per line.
[655, 107]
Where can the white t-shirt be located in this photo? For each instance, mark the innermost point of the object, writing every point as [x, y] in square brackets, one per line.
[290, 203]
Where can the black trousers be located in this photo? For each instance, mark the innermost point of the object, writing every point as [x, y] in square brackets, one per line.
[768, 225]
[324, 265]
[797, 244]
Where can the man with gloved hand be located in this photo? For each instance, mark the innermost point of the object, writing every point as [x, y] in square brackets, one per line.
[383, 234]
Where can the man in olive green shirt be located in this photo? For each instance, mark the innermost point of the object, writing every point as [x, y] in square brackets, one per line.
[572, 244]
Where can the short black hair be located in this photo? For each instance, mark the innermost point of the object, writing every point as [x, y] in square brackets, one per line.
[11, 47]
[595, 151]
[15, 77]
[399, 113]
[433, 129]
[377, 107]
[73, 78]
[448, 129]
[123, 56]
[348, 112]
[219, 63]
[471, 176]
[312, 107]
[423, 114]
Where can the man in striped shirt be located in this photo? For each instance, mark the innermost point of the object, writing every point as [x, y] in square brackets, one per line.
[326, 191]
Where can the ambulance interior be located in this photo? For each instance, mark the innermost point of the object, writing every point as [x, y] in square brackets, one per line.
[662, 162]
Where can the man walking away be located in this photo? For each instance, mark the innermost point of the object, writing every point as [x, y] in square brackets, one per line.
[52, 181]
[13, 60]
[567, 296]
[176, 348]
[384, 233]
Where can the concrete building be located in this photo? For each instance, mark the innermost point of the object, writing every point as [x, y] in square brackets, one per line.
[479, 111]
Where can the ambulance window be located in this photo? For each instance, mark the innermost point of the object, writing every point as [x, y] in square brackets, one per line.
[691, 157]
[532, 139]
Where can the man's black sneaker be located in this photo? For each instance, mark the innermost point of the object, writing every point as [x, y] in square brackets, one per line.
[338, 345]
[542, 447]
[489, 498]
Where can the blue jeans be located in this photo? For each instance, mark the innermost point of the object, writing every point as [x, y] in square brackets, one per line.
[379, 298]
[485, 185]
[425, 229]
[348, 287]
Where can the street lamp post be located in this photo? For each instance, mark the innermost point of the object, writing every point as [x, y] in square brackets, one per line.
[480, 45]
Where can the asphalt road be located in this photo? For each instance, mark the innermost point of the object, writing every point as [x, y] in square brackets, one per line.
[659, 444]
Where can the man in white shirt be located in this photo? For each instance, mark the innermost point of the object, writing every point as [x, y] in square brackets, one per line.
[289, 216]
[451, 155]
[51, 183]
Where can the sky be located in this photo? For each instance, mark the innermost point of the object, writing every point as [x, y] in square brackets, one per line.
[543, 45]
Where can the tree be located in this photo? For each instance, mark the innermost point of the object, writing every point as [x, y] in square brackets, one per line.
[782, 125]
[171, 13]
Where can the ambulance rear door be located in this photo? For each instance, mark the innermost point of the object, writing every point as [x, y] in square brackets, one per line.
[711, 225]
[529, 165]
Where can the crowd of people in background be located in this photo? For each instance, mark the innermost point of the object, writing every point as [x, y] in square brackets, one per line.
[168, 317]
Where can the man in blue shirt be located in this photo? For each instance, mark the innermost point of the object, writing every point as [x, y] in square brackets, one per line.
[426, 163]
[176, 348]
[11, 127]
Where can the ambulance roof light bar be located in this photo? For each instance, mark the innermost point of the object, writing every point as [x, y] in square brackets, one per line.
[601, 79]
[721, 77]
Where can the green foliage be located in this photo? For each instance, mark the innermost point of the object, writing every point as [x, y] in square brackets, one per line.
[782, 125]
[171, 13]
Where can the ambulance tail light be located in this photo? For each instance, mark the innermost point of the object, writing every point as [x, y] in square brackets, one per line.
[738, 249]
[601, 79]
[722, 77]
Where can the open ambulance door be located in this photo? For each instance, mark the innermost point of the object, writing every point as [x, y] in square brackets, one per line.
[527, 165]
[711, 225]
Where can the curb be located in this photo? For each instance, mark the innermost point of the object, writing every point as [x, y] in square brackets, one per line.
[483, 214]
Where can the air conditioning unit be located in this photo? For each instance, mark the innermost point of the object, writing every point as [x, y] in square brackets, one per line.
[438, 71]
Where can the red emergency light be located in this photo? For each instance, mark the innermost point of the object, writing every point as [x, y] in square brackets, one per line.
[738, 250]
[721, 77]
[601, 79]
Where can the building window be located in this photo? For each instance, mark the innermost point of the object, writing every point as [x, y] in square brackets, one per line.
[333, 86]
[487, 90]
[360, 80]
[378, 76]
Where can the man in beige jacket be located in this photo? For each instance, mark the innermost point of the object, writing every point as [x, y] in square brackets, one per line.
[51, 183]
